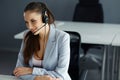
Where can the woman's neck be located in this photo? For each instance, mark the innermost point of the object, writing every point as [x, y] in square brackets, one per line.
[44, 32]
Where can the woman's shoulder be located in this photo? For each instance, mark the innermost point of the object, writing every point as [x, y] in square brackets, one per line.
[58, 31]
[61, 33]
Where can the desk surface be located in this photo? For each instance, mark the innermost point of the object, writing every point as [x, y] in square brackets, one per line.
[8, 77]
[93, 33]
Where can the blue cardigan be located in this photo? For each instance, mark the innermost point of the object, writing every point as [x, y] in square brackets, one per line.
[56, 58]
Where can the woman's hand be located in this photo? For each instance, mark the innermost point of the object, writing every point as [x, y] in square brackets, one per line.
[22, 71]
[45, 77]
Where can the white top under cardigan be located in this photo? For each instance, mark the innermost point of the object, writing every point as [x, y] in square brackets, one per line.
[37, 62]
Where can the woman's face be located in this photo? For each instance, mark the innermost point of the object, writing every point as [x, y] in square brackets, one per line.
[33, 20]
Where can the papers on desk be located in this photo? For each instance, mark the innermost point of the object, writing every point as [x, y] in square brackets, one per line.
[8, 77]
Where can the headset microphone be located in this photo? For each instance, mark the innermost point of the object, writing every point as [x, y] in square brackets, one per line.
[37, 31]
[45, 21]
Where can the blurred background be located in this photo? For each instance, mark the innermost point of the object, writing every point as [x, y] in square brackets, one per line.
[11, 16]
[11, 23]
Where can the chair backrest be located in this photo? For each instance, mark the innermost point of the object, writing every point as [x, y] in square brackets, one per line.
[85, 12]
[75, 40]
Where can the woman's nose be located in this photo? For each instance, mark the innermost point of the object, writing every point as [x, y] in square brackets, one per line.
[30, 26]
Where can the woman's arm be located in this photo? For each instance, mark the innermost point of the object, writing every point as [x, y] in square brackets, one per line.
[19, 71]
[20, 63]
[45, 77]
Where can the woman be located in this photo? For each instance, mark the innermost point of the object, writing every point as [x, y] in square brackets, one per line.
[45, 51]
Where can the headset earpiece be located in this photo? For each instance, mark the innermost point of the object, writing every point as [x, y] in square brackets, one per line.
[44, 17]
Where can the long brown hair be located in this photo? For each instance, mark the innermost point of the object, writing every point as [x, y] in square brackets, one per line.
[31, 41]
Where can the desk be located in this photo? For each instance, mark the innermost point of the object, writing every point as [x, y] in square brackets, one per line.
[8, 77]
[92, 33]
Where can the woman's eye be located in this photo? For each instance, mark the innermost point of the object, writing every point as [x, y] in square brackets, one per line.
[33, 21]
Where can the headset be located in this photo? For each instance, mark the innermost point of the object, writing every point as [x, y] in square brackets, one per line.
[44, 19]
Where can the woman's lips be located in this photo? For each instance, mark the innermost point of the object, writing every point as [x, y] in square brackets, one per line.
[33, 31]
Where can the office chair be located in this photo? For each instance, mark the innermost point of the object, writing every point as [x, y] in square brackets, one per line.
[89, 11]
[74, 68]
